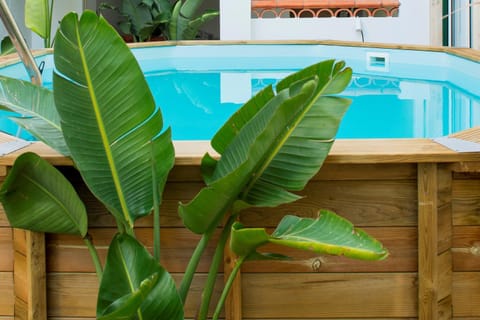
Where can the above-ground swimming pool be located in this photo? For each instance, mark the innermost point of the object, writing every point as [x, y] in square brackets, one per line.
[416, 196]
[396, 93]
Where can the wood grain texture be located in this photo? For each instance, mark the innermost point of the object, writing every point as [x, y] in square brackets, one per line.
[466, 201]
[3, 218]
[66, 253]
[6, 294]
[6, 250]
[75, 294]
[340, 295]
[36, 276]
[466, 248]
[364, 203]
[427, 241]
[466, 293]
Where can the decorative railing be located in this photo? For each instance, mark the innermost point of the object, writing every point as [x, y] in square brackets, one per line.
[324, 8]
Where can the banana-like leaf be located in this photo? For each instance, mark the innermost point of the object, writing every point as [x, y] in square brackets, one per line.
[139, 19]
[127, 266]
[175, 21]
[192, 27]
[327, 234]
[184, 25]
[109, 118]
[37, 197]
[36, 17]
[36, 111]
[126, 307]
[274, 145]
[6, 46]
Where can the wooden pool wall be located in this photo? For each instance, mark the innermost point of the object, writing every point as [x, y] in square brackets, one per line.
[425, 211]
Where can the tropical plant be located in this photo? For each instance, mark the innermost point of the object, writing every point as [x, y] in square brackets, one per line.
[145, 19]
[6, 46]
[38, 18]
[268, 149]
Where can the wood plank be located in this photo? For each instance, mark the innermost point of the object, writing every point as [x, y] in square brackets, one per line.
[343, 151]
[466, 248]
[29, 273]
[36, 276]
[427, 241]
[365, 203]
[374, 171]
[3, 218]
[466, 201]
[75, 294]
[6, 294]
[20, 241]
[337, 295]
[20, 277]
[21, 309]
[175, 192]
[445, 275]
[466, 291]
[445, 309]
[66, 253]
[401, 242]
[6, 249]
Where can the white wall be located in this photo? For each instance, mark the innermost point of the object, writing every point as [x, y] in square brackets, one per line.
[412, 26]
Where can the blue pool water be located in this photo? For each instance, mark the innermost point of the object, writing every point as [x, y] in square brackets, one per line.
[395, 93]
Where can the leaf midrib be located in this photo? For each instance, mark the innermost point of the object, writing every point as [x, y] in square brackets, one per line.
[103, 134]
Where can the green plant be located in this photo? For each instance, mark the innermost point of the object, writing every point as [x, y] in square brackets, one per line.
[38, 18]
[270, 147]
[6, 46]
[144, 19]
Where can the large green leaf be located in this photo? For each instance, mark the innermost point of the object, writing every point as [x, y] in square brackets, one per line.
[327, 234]
[273, 147]
[126, 307]
[109, 118]
[37, 197]
[139, 20]
[36, 111]
[127, 267]
[36, 17]
[184, 23]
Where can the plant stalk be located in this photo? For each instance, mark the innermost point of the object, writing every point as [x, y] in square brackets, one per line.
[47, 43]
[156, 229]
[212, 273]
[94, 254]
[227, 287]
[156, 213]
[192, 266]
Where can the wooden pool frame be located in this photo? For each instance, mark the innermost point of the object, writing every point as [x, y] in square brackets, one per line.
[418, 197]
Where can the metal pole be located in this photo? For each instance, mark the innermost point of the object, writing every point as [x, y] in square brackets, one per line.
[20, 44]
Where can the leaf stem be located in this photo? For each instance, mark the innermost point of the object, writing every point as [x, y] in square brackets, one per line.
[212, 273]
[227, 287]
[156, 214]
[94, 254]
[47, 43]
[192, 265]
